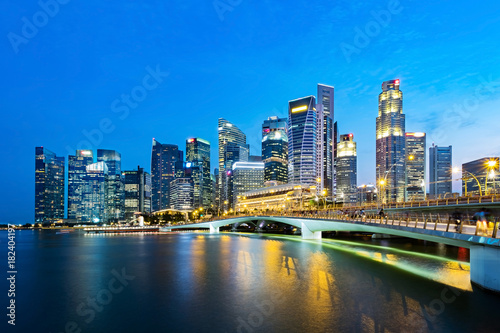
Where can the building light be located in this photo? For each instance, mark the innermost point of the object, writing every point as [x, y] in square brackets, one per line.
[299, 109]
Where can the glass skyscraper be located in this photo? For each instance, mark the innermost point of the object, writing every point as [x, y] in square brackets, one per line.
[302, 141]
[49, 186]
[77, 169]
[182, 194]
[166, 163]
[94, 194]
[326, 99]
[440, 170]
[390, 144]
[246, 176]
[275, 149]
[115, 194]
[137, 192]
[347, 184]
[415, 166]
[198, 154]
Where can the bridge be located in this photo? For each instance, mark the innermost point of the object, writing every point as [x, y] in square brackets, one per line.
[481, 239]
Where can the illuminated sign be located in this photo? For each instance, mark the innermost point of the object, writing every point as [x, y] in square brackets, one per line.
[86, 152]
[416, 134]
[299, 109]
[396, 82]
[190, 140]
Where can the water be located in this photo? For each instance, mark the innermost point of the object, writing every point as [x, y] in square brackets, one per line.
[198, 282]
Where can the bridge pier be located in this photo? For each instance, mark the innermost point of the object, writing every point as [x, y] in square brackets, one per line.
[308, 234]
[484, 268]
[214, 230]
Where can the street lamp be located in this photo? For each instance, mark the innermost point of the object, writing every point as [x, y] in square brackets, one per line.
[383, 182]
[455, 169]
[490, 172]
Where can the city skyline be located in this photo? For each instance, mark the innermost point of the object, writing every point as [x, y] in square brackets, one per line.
[446, 101]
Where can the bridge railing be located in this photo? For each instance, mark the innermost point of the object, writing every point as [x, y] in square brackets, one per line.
[464, 224]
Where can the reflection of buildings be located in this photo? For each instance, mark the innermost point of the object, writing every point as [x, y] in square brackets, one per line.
[137, 192]
[280, 197]
[479, 175]
[346, 170]
[49, 186]
[390, 144]
[275, 150]
[367, 194]
[440, 172]
[182, 194]
[415, 166]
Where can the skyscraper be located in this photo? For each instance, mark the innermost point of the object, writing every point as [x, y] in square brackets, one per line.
[198, 153]
[49, 186]
[246, 176]
[233, 148]
[440, 170]
[115, 194]
[137, 192]
[347, 185]
[390, 144]
[326, 99]
[275, 149]
[77, 169]
[302, 141]
[166, 161]
[182, 194]
[94, 194]
[415, 166]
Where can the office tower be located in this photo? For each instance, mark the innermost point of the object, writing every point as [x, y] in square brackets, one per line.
[390, 145]
[217, 188]
[440, 171]
[326, 99]
[198, 153]
[480, 177]
[232, 148]
[115, 193]
[77, 169]
[246, 176]
[182, 194]
[367, 194]
[335, 142]
[49, 186]
[94, 194]
[275, 150]
[137, 192]
[415, 166]
[195, 173]
[166, 162]
[347, 173]
[302, 141]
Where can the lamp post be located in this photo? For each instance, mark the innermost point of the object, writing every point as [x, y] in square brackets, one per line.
[383, 182]
[465, 180]
[490, 166]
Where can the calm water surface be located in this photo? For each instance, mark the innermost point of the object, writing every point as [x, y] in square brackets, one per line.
[198, 282]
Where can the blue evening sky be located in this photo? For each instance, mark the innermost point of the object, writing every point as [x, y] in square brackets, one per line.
[242, 60]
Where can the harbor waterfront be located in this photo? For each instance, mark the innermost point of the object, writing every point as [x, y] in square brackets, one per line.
[243, 282]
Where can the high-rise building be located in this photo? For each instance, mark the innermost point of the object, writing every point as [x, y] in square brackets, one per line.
[367, 194]
[326, 99]
[49, 186]
[415, 166]
[166, 164]
[182, 194]
[115, 193]
[94, 194]
[480, 177]
[77, 170]
[137, 192]
[246, 176]
[302, 141]
[347, 184]
[390, 145]
[198, 154]
[440, 170]
[275, 150]
[233, 148]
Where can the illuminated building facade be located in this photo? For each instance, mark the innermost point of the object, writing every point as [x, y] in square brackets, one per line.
[94, 194]
[440, 170]
[182, 194]
[115, 192]
[390, 144]
[137, 192]
[367, 194]
[77, 170]
[480, 177]
[329, 142]
[285, 197]
[198, 154]
[303, 141]
[246, 176]
[275, 149]
[166, 164]
[347, 174]
[49, 186]
[415, 166]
